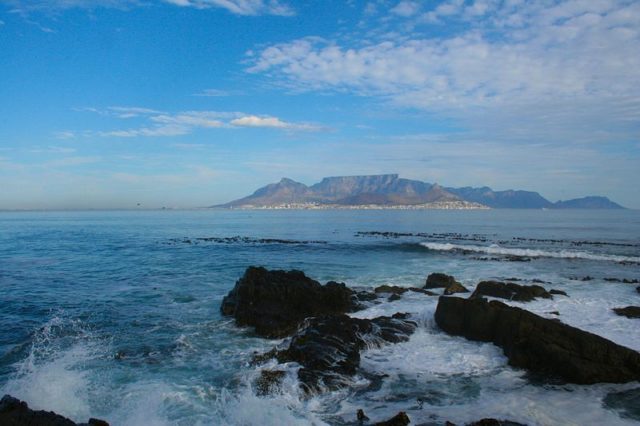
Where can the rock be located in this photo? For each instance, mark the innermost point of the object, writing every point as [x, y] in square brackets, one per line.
[361, 416]
[328, 348]
[439, 280]
[269, 381]
[391, 289]
[629, 311]
[276, 302]
[455, 287]
[538, 344]
[553, 313]
[627, 403]
[394, 297]
[14, 412]
[423, 291]
[638, 289]
[400, 419]
[510, 291]
[558, 292]
[366, 296]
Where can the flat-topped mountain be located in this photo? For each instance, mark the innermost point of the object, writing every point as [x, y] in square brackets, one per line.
[391, 190]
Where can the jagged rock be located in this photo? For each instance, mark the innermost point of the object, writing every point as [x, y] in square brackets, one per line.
[276, 302]
[268, 381]
[14, 412]
[400, 419]
[629, 311]
[538, 344]
[366, 296]
[439, 280]
[328, 347]
[394, 297]
[455, 287]
[510, 291]
[391, 289]
[361, 416]
[423, 291]
[558, 292]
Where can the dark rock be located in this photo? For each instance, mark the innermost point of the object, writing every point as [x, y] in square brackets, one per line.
[328, 348]
[366, 296]
[276, 302]
[269, 381]
[554, 313]
[391, 289]
[513, 258]
[400, 419]
[539, 281]
[628, 281]
[638, 289]
[627, 403]
[558, 292]
[14, 412]
[629, 311]
[361, 416]
[394, 297]
[510, 291]
[537, 344]
[423, 291]
[455, 287]
[439, 280]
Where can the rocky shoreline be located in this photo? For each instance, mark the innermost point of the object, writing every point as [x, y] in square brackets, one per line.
[326, 343]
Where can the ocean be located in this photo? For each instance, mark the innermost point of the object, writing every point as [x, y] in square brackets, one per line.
[116, 315]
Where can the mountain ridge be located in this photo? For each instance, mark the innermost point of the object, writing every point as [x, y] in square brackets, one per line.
[391, 190]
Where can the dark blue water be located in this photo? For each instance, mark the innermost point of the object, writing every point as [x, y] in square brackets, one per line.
[116, 314]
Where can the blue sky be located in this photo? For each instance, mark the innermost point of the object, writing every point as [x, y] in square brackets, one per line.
[187, 103]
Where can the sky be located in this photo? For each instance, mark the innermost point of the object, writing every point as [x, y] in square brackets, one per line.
[190, 103]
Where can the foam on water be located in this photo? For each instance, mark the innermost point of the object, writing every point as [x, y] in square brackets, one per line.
[495, 249]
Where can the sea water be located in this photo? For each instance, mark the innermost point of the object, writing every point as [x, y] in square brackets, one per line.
[116, 315]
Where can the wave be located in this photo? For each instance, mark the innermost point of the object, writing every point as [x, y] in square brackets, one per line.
[497, 250]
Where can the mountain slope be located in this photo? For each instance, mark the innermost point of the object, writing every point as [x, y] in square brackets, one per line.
[391, 190]
[588, 203]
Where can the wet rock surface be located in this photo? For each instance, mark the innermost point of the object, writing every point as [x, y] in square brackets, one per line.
[629, 311]
[14, 412]
[510, 291]
[540, 345]
[400, 419]
[328, 347]
[439, 280]
[276, 302]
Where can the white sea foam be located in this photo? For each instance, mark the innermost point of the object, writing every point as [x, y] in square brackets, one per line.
[560, 254]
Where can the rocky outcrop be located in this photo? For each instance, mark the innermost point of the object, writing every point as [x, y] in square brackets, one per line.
[400, 419]
[455, 287]
[328, 348]
[448, 282]
[538, 344]
[14, 412]
[276, 302]
[439, 280]
[629, 311]
[510, 291]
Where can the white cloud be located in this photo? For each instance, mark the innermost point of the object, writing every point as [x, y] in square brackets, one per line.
[271, 122]
[406, 8]
[240, 7]
[162, 124]
[212, 93]
[521, 59]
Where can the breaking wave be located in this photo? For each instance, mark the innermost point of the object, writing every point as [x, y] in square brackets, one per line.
[497, 250]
